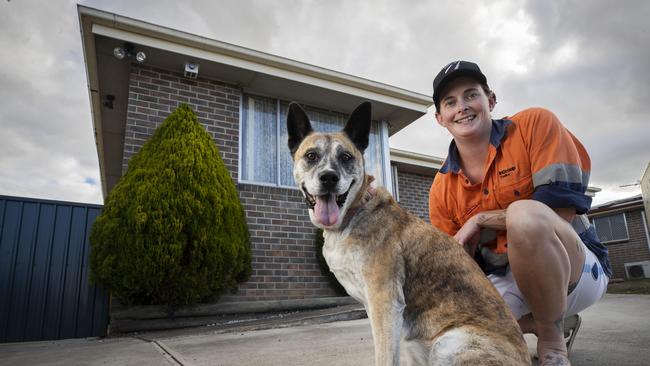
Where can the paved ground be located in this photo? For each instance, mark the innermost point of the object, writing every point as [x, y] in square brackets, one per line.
[614, 332]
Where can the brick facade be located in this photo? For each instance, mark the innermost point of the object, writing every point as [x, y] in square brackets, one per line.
[154, 93]
[284, 261]
[414, 192]
[285, 265]
[633, 250]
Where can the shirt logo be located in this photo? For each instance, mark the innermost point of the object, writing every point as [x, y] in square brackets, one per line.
[506, 172]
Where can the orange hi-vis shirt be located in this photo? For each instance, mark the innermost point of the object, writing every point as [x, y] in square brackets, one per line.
[531, 156]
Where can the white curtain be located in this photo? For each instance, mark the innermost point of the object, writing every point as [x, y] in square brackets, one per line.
[259, 135]
[286, 163]
[373, 155]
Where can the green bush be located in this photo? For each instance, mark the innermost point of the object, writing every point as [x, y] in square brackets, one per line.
[324, 268]
[172, 231]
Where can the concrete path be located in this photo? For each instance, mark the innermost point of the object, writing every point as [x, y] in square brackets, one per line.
[614, 332]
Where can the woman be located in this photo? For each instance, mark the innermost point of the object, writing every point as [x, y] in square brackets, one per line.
[512, 191]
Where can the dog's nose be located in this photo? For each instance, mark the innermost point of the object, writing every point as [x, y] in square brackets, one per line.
[329, 180]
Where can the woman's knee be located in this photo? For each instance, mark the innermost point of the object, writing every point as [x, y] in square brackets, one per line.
[528, 219]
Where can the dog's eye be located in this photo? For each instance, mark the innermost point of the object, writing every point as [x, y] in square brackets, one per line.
[346, 157]
[311, 156]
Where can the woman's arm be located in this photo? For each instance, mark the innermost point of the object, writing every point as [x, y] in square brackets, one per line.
[468, 235]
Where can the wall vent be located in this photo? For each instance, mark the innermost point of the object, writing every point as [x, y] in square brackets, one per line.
[637, 270]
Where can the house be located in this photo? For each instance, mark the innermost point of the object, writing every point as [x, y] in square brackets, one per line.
[622, 226]
[139, 72]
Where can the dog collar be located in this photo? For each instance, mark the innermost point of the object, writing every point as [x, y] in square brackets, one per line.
[367, 196]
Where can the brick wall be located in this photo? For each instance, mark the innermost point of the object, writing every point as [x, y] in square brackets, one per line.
[282, 237]
[414, 193]
[154, 93]
[285, 265]
[633, 250]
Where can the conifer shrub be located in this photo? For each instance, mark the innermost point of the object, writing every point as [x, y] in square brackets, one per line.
[172, 230]
[324, 268]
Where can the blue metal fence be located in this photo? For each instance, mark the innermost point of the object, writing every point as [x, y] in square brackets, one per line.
[44, 289]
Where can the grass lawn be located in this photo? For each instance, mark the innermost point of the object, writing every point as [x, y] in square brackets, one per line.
[630, 287]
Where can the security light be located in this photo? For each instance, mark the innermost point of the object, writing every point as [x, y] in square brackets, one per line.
[119, 53]
[191, 70]
[127, 51]
[140, 57]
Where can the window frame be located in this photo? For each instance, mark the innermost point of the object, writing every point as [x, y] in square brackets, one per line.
[613, 241]
[394, 171]
[383, 133]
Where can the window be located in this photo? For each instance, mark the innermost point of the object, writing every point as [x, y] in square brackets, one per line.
[265, 157]
[611, 228]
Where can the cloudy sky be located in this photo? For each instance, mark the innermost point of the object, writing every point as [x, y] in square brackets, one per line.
[588, 61]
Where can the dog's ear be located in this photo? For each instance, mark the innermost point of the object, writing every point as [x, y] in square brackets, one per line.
[298, 126]
[358, 126]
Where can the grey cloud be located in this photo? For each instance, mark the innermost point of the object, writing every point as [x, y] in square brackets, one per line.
[248, 24]
[47, 144]
[602, 93]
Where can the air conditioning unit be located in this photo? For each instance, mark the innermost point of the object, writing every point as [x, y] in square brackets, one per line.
[637, 270]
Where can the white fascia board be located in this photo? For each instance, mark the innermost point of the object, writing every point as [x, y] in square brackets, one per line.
[416, 159]
[615, 210]
[92, 79]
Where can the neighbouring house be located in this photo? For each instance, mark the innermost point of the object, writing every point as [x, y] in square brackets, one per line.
[622, 226]
[139, 72]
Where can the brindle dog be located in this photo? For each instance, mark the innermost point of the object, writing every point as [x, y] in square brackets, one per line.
[413, 280]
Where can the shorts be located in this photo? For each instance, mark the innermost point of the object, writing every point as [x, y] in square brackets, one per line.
[591, 287]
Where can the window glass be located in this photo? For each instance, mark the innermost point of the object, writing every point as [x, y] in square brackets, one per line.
[618, 227]
[611, 228]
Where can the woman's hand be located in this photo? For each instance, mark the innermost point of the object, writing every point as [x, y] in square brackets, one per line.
[468, 235]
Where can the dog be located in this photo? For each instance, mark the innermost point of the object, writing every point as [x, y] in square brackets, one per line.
[421, 290]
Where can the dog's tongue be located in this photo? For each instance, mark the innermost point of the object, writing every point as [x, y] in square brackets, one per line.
[326, 209]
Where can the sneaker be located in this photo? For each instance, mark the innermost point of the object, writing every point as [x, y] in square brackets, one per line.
[571, 326]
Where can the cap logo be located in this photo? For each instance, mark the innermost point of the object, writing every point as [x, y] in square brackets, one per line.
[449, 67]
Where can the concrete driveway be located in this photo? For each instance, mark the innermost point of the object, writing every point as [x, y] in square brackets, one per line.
[616, 331]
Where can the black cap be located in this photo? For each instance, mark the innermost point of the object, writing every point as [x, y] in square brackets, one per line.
[453, 70]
